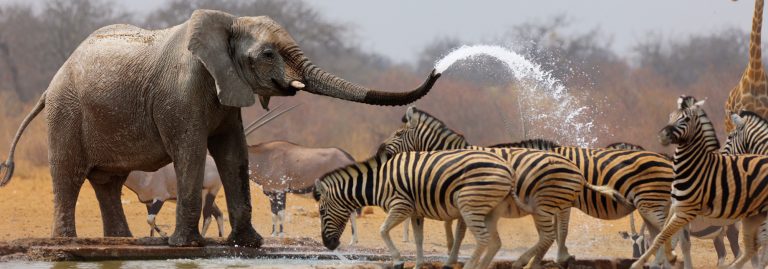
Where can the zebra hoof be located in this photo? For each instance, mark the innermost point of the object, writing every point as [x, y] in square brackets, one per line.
[447, 267]
[399, 265]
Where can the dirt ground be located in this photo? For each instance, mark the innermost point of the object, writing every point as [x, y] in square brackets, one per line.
[27, 207]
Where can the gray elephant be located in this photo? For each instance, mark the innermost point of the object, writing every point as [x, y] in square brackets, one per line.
[134, 99]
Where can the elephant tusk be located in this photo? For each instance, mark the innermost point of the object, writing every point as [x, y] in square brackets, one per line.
[297, 84]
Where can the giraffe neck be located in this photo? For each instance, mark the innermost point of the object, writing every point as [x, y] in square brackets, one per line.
[755, 67]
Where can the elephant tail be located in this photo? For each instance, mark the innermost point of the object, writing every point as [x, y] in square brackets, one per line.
[6, 169]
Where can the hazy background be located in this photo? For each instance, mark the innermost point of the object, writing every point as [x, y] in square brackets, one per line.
[626, 61]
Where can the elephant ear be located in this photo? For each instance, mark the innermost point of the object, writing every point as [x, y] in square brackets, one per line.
[209, 33]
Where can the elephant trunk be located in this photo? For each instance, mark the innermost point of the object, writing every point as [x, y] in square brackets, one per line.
[323, 83]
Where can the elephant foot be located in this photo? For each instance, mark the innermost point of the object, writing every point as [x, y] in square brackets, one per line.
[189, 239]
[118, 232]
[63, 232]
[247, 238]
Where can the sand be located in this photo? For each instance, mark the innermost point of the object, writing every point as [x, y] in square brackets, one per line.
[27, 208]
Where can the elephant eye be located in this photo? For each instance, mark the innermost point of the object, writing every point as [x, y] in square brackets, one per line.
[268, 54]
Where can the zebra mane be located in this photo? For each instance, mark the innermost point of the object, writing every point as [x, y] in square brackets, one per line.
[624, 145]
[536, 143]
[750, 114]
[436, 122]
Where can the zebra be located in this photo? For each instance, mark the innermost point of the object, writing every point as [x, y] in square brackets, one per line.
[643, 177]
[475, 186]
[724, 188]
[698, 229]
[546, 181]
[750, 136]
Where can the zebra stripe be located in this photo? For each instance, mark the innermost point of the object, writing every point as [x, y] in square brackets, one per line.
[445, 185]
[709, 184]
[548, 183]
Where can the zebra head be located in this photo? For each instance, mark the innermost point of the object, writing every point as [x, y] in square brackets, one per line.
[333, 212]
[421, 132]
[678, 130]
[749, 136]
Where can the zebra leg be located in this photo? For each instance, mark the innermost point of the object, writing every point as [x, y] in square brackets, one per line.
[353, 227]
[562, 219]
[732, 233]
[477, 225]
[673, 225]
[448, 225]
[418, 238]
[152, 210]
[405, 233]
[461, 230]
[685, 245]
[494, 244]
[749, 229]
[654, 222]
[396, 215]
[719, 249]
[545, 226]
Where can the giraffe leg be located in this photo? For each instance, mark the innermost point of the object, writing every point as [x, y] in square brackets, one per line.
[562, 219]
[673, 225]
[749, 230]
[545, 226]
[396, 216]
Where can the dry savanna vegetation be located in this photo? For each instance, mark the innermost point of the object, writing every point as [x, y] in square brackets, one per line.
[630, 94]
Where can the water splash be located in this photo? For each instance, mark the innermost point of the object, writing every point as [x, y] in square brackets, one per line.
[547, 105]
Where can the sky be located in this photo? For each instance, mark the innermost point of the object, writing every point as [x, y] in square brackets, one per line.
[399, 29]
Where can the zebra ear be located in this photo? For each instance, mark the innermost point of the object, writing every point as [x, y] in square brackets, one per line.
[316, 192]
[700, 103]
[409, 112]
[737, 120]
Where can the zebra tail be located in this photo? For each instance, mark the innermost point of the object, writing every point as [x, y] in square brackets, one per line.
[520, 204]
[605, 190]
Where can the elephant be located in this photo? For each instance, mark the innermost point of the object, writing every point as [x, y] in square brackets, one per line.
[133, 99]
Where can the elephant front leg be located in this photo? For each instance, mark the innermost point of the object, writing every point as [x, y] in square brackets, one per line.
[229, 150]
[189, 166]
[108, 191]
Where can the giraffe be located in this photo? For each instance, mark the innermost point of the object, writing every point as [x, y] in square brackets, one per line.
[751, 93]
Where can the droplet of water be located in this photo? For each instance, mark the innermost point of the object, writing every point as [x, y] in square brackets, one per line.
[546, 103]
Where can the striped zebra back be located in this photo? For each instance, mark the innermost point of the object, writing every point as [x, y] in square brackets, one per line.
[750, 135]
[641, 176]
[533, 168]
[537, 143]
[707, 182]
[431, 184]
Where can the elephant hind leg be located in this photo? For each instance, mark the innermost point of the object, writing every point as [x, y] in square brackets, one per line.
[108, 190]
[67, 181]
